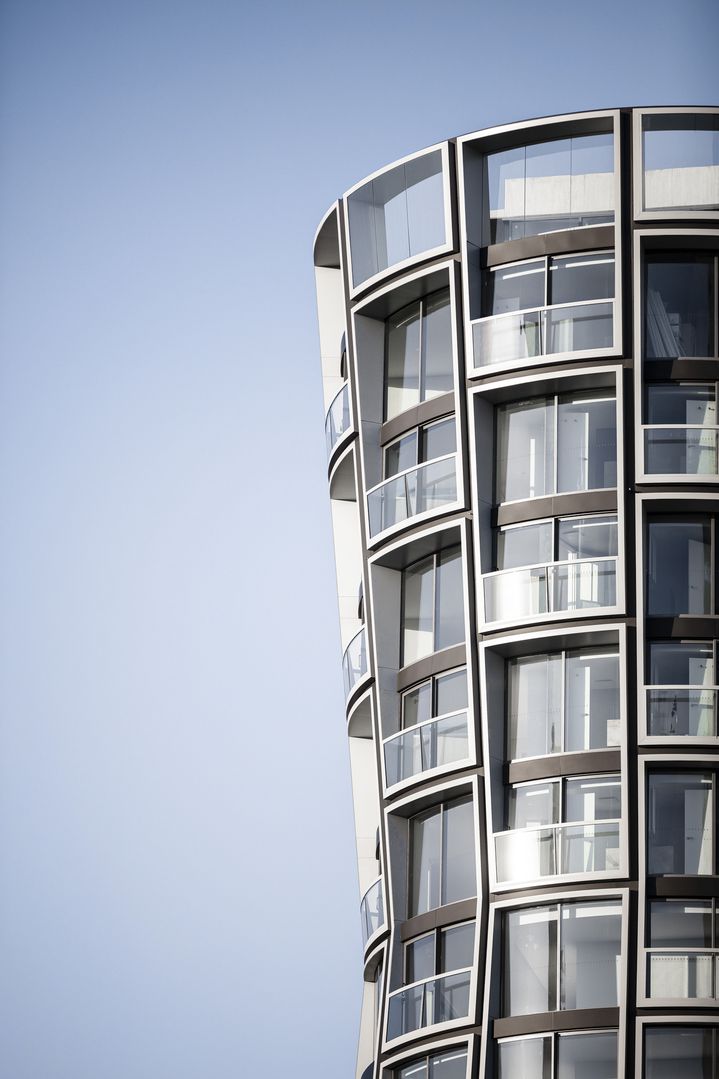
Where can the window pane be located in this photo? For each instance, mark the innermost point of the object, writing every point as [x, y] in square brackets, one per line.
[417, 705]
[591, 701]
[680, 823]
[530, 968]
[505, 183]
[425, 837]
[576, 278]
[526, 545]
[673, 1051]
[532, 805]
[389, 193]
[416, 1070]
[449, 609]
[681, 663]
[403, 343]
[457, 947]
[590, 946]
[680, 923]
[420, 958]
[514, 288]
[593, 799]
[535, 706]
[547, 186]
[587, 537]
[581, 1056]
[418, 614]
[679, 307]
[528, 1058]
[400, 455]
[439, 439]
[682, 402]
[448, 1065]
[679, 571]
[681, 162]
[587, 436]
[451, 692]
[425, 202]
[459, 879]
[437, 349]
[525, 453]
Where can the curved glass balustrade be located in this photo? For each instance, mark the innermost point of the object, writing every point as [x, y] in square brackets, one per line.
[432, 744]
[556, 849]
[680, 450]
[372, 911]
[354, 661]
[681, 974]
[551, 588]
[434, 1000]
[338, 420]
[682, 711]
[522, 335]
[428, 486]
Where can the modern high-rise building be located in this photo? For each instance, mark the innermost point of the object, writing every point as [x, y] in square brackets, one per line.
[520, 348]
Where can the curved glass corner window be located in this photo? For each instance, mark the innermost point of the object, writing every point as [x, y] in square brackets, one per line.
[448, 1064]
[372, 911]
[681, 432]
[672, 1050]
[564, 702]
[418, 363]
[679, 305]
[561, 956]
[548, 186]
[354, 661]
[442, 857]
[397, 215]
[555, 445]
[681, 162]
[338, 420]
[434, 730]
[680, 565]
[680, 821]
[682, 690]
[421, 471]
[432, 605]
[575, 1055]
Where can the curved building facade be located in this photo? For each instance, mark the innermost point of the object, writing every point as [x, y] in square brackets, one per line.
[520, 348]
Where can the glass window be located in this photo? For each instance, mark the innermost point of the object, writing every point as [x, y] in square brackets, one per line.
[692, 403]
[580, 1056]
[681, 162]
[591, 798]
[442, 857]
[679, 306]
[530, 1058]
[681, 663]
[397, 215]
[586, 443]
[525, 450]
[672, 1050]
[518, 287]
[530, 964]
[576, 278]
[426, 443]
[586, 537]
[449, 1064]
[448, 690]
[525, 545]
[449, 601]
[535, 706]
[419, 353]
[459, 878]
[420, 958]
[425, 859]
[679, 575]
[433, 605]
[531, 805]
[680, 823]
[401, 454]
[591, 698]
[680, 923]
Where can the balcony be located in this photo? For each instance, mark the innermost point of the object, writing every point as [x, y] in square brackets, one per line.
[429, 486]
[682, 974]
[434, 1000]
[544, 331]
[682, 711]
[680, 450]
[552, 588]
[338, 420]
[436, 743]
[354, 661]
[553, 850]
[372, 911]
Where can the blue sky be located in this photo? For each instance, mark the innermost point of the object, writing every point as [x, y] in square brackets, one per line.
[177, 886]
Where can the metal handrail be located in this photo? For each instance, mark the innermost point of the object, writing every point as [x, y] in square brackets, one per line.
[543, 307]
[551, 565]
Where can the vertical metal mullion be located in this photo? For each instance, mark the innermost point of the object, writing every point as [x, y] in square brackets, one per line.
[435, 586]
[558, 973]
[716, 306]
[555, 435]
[563, 702]
[441, 854]
[420, 360]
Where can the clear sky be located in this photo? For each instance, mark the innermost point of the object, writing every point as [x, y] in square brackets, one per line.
[178, 896]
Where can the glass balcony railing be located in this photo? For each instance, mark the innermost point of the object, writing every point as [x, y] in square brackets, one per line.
[338, 420]
[556, 849]
[372, 911]
[428, 486]
[550, 588]
[354, 661]
[682, 974]
[680, 450]
[432, 744]
[434, 1000]
[522, 335]
[682, 711]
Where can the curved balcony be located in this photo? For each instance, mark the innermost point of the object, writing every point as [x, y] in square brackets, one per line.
[425, 487]
[435, 743]
[680, 450]
[544, 331]
[682, 711]
[433, 1000]
[372, 911]
[682, 974]
[354, 661]
[338, 420]
[550, 588]
[553, 850]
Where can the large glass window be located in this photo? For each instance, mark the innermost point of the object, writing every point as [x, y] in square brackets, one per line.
[680, 565]
[439, 952]
[397, 215]
[433, 719]
[449, 1064]
[679, 290]
[419, 353]
[442, 857]
[575, 1055]
[681, 161]
[681, 437]
[671, 1051]
[564, 539]
[680, 819]
[682, 961]
[424, 443]
[561, 956]
[432, 605]
[561, 279]
[556, 444]
[562, 184]
[681, 700]
[565, 702]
